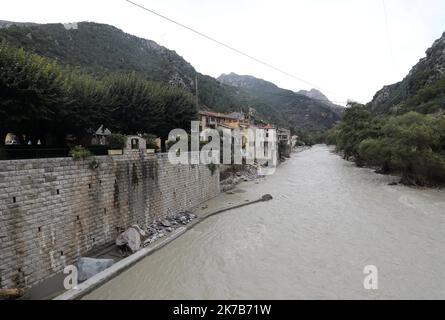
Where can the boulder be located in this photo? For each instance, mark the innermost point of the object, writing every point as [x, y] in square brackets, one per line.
[166, 223]
[88, 267]
[132, 238]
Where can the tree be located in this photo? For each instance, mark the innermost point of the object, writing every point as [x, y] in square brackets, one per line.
[41, 100]
[357, 126]
[32, 93]
[178, 109]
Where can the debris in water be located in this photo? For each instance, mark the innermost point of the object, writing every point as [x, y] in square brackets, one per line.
[266, 197]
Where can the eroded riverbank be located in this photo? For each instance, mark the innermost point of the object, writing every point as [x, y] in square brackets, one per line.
[327, 221]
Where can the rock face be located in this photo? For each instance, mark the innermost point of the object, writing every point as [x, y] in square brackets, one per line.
[426, 72]
[247, 82]
[88, 267]
[7, 24]
[319, 96]
[315, 94]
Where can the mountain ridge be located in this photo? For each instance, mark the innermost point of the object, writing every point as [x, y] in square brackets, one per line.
[101, 49]
[422, 89]
[300, 110]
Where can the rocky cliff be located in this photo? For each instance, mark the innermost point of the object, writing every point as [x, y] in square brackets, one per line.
[423, 89]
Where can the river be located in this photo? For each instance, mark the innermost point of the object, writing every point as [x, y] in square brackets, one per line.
[327, 221]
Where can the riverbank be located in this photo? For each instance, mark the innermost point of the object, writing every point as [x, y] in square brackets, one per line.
[328, 220]
[210, 208]
[401, 179]
[229, 199]
[157, 232]
[237, 190]
[231, 176]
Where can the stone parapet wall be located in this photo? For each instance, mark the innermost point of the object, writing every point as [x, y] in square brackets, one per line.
[52, 211]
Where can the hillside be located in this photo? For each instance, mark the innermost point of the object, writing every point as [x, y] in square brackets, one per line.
[422, 90]
[100, 49]
[402, 130]
[318, 95]
[296, 110]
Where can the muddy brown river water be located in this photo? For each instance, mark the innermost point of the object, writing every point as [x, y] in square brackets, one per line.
[327, 221]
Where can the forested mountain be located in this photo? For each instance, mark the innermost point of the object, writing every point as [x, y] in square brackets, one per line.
[318, 95]
[295, 109]
[402, 130]
[422, 90]
[99, 50]
[40, 100]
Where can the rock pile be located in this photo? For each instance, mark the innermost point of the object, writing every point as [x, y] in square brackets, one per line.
[134, 237]
[159, 229]
[248, 173]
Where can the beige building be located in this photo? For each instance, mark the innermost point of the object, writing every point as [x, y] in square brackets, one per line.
[284, 135]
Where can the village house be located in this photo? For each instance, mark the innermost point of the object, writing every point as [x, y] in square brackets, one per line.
[215, 120]
[284, 136]
[238, 120]
[232, 121]
[100, 136]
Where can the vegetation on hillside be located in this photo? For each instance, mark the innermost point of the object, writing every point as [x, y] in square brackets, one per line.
[284, 107]
[46, 102]
[402, 129]
[422, 90]
[98, 50]
[429, 99]
[411, 144]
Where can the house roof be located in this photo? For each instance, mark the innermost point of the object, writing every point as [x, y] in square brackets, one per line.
[103, 132]
[218, 115]
[267, 126]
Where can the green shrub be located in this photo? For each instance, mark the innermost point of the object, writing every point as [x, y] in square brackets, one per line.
[151, 141]
[412, 144]
[117, 141]
[80, 153]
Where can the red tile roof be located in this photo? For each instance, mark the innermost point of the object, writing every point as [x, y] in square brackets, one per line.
[267, 126]
[217, 115]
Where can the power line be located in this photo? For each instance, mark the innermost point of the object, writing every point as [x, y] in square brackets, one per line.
[233, 49]
[388, 37]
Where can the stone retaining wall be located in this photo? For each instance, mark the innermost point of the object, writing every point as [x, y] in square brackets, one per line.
[54, 210]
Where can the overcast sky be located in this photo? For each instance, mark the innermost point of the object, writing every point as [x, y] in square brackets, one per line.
[342, 46]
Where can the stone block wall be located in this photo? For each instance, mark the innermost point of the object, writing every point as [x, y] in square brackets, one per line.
[54, 210]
